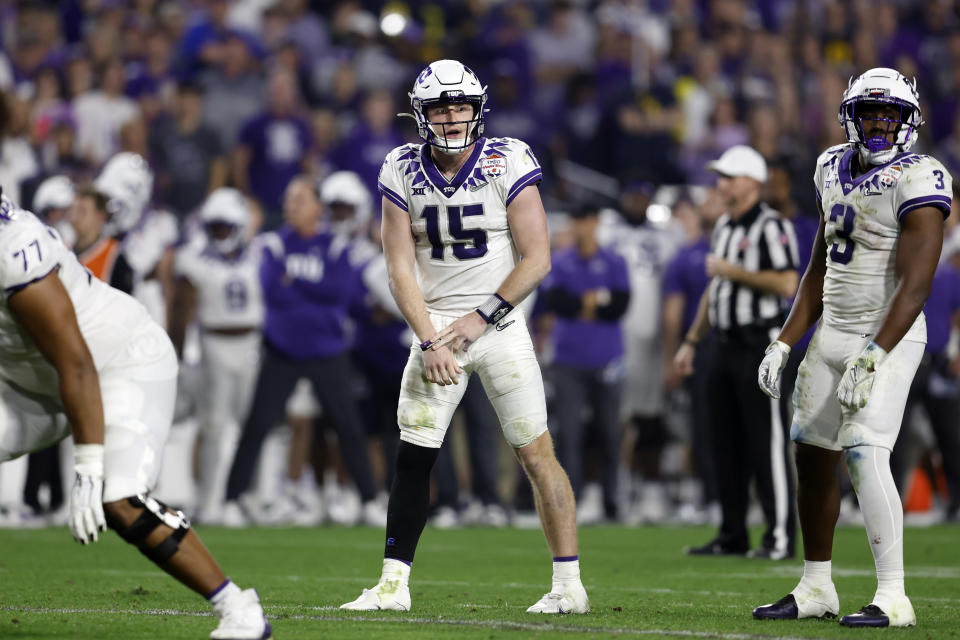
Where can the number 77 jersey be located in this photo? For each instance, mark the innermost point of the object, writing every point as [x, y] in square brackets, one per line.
[463, 242]
[862, 231]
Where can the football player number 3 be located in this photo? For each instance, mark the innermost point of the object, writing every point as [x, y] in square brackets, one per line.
[473, 242]
[843, 215]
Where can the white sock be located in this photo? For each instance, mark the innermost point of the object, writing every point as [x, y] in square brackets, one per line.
[565, 572]
[223, 593]
[882, 514]
[394, 569]
[816, 573]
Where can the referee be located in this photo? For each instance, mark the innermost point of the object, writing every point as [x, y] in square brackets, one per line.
[753, 268]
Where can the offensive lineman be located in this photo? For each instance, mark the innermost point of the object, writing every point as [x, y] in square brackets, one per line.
[463, 213]
[881, 230]
[77, 355]
[218, 280]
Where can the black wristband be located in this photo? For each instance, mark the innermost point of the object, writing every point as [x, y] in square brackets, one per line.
[494, 309]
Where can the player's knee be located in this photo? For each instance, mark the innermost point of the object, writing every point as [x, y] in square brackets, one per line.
[149, 525]
[522, 431]
[419, 424]
[415, 459]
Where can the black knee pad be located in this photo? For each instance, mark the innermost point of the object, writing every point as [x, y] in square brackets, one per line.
[154, 514]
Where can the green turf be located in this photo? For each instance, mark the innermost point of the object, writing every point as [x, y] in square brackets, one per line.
[470, 583]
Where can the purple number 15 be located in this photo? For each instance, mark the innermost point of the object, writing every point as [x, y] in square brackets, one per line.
[845, 214]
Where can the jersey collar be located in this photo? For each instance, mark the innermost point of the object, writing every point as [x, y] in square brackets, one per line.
[847, 182]
[448, 189]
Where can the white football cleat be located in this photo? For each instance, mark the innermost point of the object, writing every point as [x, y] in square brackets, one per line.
[573, 599]
[242, 618]
[387, 595]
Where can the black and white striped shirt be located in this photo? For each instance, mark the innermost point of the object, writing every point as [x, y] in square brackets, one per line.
[760, 240]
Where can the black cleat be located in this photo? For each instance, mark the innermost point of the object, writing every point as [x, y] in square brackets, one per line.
[786, 609]
[783, 609]
[870, 616]
[715, 548]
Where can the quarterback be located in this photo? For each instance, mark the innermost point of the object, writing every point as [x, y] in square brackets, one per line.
[465, 240]
[881, 229]
[78, 356]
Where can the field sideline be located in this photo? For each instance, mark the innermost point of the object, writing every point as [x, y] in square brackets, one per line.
[469, 583]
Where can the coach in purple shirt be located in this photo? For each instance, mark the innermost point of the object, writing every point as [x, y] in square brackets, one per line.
[308, 285]
[588, 291]
[935, 385]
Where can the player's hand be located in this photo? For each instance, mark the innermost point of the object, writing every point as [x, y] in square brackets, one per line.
[441, 367]
[86, 497]
[683, 361]
[771, 368]
[857, 381]
[718, 267]
[460, 334]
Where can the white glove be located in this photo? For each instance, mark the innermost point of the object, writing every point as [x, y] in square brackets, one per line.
[771, 368]
[86, 497]
[857, 381]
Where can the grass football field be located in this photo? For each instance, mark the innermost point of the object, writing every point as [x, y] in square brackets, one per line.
[468, 583]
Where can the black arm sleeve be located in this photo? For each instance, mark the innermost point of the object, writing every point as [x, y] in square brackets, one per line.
[562, 302]
[122, 275]
[614, 310]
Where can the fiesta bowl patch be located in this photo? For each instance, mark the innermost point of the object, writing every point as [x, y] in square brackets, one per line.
[890, 175]
[494, 165]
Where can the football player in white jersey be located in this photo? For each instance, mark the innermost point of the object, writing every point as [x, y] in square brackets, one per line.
[465, 239]
[218, 283]
[77, 355]
[881, 229]
[147, 234]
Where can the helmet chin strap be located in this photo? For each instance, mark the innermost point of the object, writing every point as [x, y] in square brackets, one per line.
[873, 158]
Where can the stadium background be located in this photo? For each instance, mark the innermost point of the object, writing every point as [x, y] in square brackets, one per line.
[610, 96]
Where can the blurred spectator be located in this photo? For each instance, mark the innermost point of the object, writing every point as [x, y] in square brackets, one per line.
[233, 89]
[273, 147]
[589, 290]
[101, 113]
[189, 159]
[647, 248]
[368, 143]
[18, 161]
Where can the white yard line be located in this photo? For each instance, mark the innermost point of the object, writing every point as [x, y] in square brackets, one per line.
[483, 624]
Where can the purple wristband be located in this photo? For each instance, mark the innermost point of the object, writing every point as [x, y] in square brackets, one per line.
[426, 344]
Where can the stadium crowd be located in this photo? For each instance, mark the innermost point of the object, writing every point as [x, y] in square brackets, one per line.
[293, 104]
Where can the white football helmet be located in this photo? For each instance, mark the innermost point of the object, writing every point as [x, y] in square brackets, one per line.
[881, 86]
[225, 206]
[346, 188]
[56, 192]
[127, 182]
[446, 82]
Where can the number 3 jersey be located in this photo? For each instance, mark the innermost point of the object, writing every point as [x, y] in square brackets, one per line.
[108, 318]
[229, 295]
[463, 243]
[862, 231]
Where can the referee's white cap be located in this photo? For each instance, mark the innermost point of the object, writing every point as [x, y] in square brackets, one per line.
[740, 160]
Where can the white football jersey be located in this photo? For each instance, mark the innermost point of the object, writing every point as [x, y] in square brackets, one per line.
[29, 250]
[229, 294]
[647, 250]
[463, 242]
[862, 230]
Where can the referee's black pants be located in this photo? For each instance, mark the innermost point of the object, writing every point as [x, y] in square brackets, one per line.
[330, 378]
[750, 441]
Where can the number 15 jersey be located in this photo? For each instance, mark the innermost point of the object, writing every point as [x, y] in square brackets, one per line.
[463, 243]
[862, 231]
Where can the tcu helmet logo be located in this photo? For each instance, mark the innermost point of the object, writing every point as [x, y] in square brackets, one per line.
[426, 73]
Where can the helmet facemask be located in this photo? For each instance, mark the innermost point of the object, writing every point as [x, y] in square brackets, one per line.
[880, 136]
[435, 133]
[224, 236]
